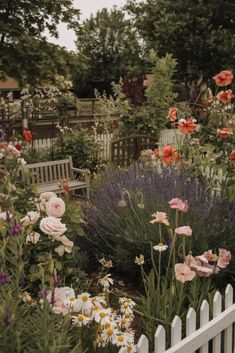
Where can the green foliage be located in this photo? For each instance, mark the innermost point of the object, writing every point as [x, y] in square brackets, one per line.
[80, 145]
[110, 43]
[199, 34]
[25, 53]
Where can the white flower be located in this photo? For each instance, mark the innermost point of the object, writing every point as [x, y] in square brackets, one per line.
[12, 152]
[72, 302]
[5, 215]
[109, 333]
[130, 348]
[100, 341]
[139, 260]
[128, 301]
[33, 238]
[160, 247]
[84, 302]
[106, 263]
[126, 309]
[43, 199]
[102, 316]
[106, 281]
[21, 161]
[81, 320]
[124, 322]
[30, 218]
[52, 226]
[99, 300]
[66, 246]
[120, 340]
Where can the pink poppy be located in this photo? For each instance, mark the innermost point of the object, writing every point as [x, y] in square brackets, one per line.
[179, 204]
[172, 114]
[223, 78]
[183, 273]
[170, 154]
[185, 230]
[224, 258]
[160, 217]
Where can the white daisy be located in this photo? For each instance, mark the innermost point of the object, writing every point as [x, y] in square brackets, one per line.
[84, 302]
[160, 247]
[81, 320]
[139, 260]
[102, 316]
[106, 281]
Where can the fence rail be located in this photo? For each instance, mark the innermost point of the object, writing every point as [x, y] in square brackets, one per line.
[214, 335]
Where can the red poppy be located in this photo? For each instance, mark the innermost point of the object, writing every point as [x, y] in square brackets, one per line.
[223, 78]
[170, 154]
[231, 157]
[187, 126]
[172, 114]
[27, 136]
[225, 96]
[225, 133]
[18, 146]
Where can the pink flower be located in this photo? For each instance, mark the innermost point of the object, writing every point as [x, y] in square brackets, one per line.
[225, 96]
[58, 299]
[225, 132]
[12, 152]
[208, 256]
[172, 114]
[52, 226]
[55, 207]
[185, 230]
[183, 273]
[160, 217]
[179, 204]
[224, 258]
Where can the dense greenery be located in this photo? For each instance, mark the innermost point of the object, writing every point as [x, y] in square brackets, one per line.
[112, 46]
[25, 53]
[199, 34]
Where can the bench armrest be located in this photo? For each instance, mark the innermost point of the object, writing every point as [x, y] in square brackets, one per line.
[82, 171]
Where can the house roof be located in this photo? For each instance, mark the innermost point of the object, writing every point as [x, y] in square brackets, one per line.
[9, 84]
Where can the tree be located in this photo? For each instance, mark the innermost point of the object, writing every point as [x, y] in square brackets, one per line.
[199, 33]
[24, 52]
[112, 47]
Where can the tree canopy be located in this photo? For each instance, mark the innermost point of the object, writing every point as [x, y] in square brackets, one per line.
[24, 52]
[199, 33]
[112, 47]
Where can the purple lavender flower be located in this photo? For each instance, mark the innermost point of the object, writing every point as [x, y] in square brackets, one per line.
[7, 319]
[4, 278]
[57, 281]
[15, 230]
[22, 280]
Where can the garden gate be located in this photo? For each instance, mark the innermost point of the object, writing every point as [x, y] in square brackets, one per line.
[127, 149]
[215, 336]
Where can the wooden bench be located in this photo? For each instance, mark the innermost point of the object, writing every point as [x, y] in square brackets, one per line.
[49, 176]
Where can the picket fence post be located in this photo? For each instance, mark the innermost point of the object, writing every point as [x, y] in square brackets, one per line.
[228, 334]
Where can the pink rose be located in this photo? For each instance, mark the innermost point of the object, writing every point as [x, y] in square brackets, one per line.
[52, 226]
[179, 204]
[12, 152]
[224, 258]
[58, 299]
[55, 207]
[185, 230]
[183, 273]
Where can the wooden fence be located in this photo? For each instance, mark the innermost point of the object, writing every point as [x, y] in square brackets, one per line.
[214, 335]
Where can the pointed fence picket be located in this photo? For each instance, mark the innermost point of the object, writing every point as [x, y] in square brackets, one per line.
[219, 330]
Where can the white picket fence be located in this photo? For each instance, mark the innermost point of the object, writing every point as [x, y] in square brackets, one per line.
[219, 330]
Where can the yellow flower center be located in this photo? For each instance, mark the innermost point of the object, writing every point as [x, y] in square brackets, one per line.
[109, 332]
[120, 338]
[84, 298]
[80, 318]
[102, 315]
[72, 299]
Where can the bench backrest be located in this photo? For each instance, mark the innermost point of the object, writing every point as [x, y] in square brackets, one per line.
[47, 172]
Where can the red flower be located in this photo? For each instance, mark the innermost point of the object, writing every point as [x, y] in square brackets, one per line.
[225, 133]
[18, 146]
[223, 78]
[231, 157]
[27, 135]
[170, 154]
[225, 96]
[156, 153]
[187, 126]
[172, 114]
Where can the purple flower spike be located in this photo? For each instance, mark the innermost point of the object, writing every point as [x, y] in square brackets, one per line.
[7, 319]
[57, 281]
[4, 278]
[15, 230]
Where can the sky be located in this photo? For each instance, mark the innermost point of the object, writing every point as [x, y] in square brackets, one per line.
[87, 7]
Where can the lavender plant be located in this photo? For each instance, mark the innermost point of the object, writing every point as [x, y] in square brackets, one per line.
[117, 224]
